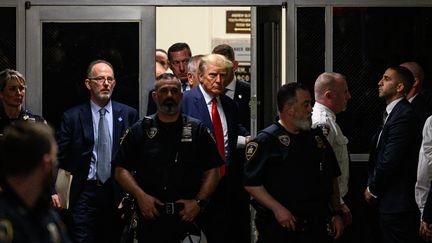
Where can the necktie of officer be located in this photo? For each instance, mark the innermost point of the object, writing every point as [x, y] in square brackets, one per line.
[103, 148]
[217, 126]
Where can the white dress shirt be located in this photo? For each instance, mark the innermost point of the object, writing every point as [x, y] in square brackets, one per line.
[325, 119]
[208, 99]
[424, 169]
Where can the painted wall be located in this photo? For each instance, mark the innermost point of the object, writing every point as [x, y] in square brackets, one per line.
[197, 26]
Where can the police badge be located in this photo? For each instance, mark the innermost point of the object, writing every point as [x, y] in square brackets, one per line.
[285, 140]
[187, 133]
[324, 128]
[320, 143]
[151, 132]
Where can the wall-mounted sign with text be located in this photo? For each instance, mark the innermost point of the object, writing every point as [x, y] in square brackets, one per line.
[238, 22]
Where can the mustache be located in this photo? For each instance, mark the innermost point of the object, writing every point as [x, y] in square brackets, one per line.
[169, 101]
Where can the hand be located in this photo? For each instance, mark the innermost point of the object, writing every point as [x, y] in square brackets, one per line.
[285, 218]
[425, 231]
[369, 198]
[190, 211]
[337, 225]
[346, 214]
[55, 199]
[147, 205]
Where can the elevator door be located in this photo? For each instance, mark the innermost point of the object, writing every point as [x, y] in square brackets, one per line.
[62, 41]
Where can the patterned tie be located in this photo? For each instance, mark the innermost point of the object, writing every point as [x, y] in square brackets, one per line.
[217, 125]
[103, 148]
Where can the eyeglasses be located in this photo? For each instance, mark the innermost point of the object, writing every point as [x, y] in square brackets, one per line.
[101, 79]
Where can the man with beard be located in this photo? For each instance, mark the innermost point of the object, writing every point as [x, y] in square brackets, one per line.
[89, 136]
[27, 161]
[291, 173]
[393, 160]
[175, 161]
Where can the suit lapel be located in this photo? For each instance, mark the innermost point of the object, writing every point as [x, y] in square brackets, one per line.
[118, 125]
[201, 108]
[86, 121]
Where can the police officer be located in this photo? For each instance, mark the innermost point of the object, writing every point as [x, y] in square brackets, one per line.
[12, 94]
[332, 95]
[176, 164]
[27, 160]
[291, 174]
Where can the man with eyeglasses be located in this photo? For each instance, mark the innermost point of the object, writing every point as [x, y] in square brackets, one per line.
[178, 56]
[12, 94]
[89, 136]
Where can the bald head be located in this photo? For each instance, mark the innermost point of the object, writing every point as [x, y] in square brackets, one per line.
[415, 69]
[418, 73]
[331, 90]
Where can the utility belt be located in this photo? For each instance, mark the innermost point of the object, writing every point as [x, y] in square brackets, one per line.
[170, 208]
[309, 223]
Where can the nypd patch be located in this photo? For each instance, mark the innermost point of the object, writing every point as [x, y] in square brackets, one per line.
[285, 140]
[251, 148]
[151, 132]
[324, 128]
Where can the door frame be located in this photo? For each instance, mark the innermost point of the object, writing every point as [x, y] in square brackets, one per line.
[37, 15]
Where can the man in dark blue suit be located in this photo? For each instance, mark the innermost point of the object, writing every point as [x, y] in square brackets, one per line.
[240, 92]
[394, 158]
[206, 102]
[92, 216]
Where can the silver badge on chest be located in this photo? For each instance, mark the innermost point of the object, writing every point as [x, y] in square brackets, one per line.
[187, 133]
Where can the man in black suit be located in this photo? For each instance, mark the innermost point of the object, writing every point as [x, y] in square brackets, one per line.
[394, 158]
[414, 96]
[89, 136]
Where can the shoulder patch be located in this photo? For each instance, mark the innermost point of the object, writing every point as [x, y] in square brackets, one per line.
[320, 142]
[6, 231]
[324, 128]
[285, 140]
[151, 132]
[251, 148]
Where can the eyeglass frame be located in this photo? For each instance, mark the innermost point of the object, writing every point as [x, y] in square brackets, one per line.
[101, 79]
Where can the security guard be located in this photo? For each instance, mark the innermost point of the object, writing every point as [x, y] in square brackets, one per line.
[12, 94]
[291, 173]
[331, 96]
[175, 160]
[24, 115]
[27, 161]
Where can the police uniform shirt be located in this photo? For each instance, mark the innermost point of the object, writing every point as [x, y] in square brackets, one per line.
[18, 223]
[296, 169]
[25, 115]
[169, 158]
[325, 119]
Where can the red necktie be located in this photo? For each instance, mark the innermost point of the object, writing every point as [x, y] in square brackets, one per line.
[217, 126]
